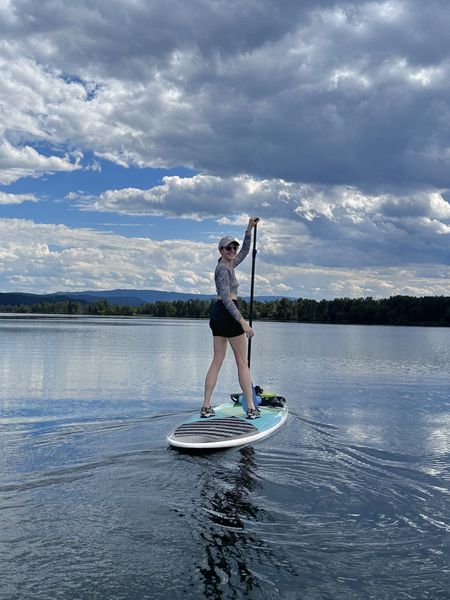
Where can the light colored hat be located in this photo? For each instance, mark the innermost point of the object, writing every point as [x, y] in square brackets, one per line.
[228, 239]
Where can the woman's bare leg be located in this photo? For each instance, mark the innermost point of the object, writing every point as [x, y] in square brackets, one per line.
[220, 349]
[239, 346]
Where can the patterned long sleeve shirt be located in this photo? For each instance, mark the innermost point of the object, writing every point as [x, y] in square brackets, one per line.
[225, 279]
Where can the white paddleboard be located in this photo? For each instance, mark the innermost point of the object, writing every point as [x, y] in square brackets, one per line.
[229, 427]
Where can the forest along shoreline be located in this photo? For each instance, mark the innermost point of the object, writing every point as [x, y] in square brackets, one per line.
[396, 310]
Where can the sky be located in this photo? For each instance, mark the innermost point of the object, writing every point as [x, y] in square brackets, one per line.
[136, 133]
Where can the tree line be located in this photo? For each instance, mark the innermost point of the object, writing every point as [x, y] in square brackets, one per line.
[396, 310]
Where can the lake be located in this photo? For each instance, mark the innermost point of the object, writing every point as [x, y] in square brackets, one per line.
[349, 500]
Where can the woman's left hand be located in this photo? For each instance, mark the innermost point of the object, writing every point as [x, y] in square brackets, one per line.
[247, 329]
[253, 221]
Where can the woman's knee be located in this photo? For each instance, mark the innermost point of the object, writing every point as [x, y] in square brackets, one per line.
[242, 364]
[217, 359]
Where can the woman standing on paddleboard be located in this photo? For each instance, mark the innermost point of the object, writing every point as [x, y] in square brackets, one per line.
[227, 323]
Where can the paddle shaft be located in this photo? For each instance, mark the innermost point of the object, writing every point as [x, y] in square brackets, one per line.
[252, 289]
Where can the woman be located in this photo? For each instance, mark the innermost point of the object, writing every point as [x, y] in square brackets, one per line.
[227, 323]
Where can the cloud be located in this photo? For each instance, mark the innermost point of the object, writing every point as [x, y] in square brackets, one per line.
[41, 257]
[330, 226]
[313, 92]
[128, 39]
[25, 161]
[47, 258]
[329, 119]
[16, 198]
[198, 197]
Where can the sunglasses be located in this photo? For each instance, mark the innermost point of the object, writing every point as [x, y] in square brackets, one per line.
[231, 247]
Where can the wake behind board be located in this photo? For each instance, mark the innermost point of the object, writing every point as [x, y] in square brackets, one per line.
[229, 427]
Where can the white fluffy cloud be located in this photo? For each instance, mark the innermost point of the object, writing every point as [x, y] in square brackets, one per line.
[328, 118]
[36, 257]
[325, 226]
[16, 163]
[49, 258]
[16, 198]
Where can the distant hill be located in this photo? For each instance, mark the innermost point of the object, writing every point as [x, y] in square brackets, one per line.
[127, 297]
[16, 298]
[120, 297]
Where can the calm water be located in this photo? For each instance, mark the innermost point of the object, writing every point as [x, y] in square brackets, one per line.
[350, 500]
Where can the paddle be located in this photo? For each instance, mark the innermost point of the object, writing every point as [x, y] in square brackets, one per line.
[241, 397]
[269, 399]
[252, 290]
[256, 399]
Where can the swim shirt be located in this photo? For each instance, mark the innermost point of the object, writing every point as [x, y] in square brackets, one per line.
[225, 279]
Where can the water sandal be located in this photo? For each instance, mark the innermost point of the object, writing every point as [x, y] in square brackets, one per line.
[206, 412]
[253, 413]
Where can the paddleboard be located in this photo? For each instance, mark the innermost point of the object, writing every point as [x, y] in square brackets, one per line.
[229, 427]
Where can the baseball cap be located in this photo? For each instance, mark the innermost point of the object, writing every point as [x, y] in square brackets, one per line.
[228, 239]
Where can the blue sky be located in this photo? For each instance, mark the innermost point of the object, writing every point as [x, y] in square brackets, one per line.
[135, 134]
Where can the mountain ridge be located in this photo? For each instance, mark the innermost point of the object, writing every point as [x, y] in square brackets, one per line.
[121, 297]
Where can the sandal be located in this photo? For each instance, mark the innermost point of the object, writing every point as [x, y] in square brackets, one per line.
[253, 413]
[207, 411]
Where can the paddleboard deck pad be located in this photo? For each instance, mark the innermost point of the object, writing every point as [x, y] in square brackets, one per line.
[229, 427]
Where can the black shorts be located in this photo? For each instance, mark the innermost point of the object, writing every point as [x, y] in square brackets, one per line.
[222, 323]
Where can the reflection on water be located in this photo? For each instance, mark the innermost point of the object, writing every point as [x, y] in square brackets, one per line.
[86, 358]
[226, 502]
[349, 500]
[228, 507]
